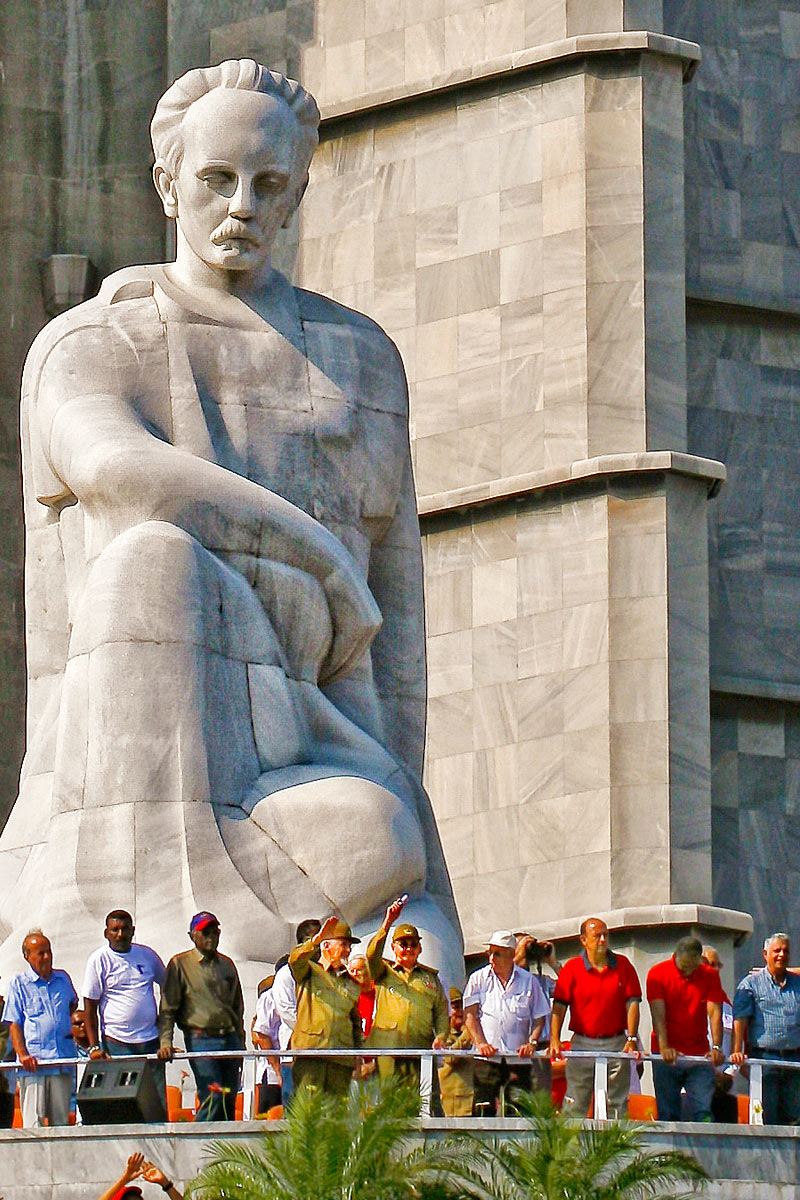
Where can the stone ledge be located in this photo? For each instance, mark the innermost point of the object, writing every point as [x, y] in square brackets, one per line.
[746, 1162]
[654, 916]
[509, 64]
[707, 469]
[761, 689]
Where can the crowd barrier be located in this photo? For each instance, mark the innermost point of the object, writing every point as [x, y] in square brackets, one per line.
[254, 1061]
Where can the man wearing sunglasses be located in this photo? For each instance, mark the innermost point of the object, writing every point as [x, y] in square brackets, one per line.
[411, 1010]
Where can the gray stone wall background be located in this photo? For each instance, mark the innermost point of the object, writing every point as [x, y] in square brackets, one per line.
[742, 138]
[755, 815]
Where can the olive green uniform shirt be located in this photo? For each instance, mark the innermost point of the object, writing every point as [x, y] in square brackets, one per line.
[200, 993]
[327, 1004]
[410, 1006]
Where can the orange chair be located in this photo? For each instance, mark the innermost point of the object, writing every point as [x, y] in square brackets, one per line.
[642, 1108]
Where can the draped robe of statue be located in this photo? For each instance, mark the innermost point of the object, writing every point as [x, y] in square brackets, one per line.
[212, 724]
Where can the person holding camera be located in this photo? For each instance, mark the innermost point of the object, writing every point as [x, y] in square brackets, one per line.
[534, 956]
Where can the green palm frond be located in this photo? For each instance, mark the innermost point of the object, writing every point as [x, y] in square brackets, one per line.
[330, 1148]
[563, 1159]
[367, 1147]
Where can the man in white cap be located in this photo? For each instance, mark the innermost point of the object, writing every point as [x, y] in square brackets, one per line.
[504, 1010]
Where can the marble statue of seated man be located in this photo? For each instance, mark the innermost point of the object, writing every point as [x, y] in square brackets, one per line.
[223, 589]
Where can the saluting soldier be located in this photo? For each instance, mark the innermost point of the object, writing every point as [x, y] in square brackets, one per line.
[327, 1008]
[410, 1006]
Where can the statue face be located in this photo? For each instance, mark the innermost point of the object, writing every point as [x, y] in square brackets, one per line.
[237, 183]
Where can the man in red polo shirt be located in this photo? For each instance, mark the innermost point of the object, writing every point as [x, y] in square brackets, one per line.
[685, 998]
[602, 991]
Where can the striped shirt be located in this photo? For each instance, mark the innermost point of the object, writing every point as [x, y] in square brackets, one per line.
[772, 1010]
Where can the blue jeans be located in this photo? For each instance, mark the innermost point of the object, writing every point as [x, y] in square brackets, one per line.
[215, 1105]
[697, 1078]
[126, 1049]
[780, 1090]
[287, 1083]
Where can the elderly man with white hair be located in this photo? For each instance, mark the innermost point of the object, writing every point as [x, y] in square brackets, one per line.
[766, 1024]
[504, 1010]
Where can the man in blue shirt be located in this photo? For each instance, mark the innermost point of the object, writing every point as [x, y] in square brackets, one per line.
[766, 1024]
[38, 1009]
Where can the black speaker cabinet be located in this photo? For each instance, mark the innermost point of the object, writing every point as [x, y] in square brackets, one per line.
[120, 1091]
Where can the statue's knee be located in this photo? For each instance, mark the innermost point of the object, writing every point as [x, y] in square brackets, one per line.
[148, 585]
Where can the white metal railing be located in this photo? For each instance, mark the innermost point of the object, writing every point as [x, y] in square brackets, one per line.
[252, 1059]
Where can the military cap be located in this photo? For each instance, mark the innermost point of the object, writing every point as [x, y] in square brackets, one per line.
[405, 931]
[455, 996]
[341, 930]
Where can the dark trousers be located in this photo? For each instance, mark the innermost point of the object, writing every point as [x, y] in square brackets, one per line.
[126, 1049]
[269, 1096]
[217, 1079]
[696, 1078]
[491, 1076]
[780, 1090]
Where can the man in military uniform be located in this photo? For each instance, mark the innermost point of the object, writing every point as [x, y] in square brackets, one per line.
[411, 1010]
[457, 1074]
[327, 1008]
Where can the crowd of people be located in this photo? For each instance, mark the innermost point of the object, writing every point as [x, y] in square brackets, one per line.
[333, 993]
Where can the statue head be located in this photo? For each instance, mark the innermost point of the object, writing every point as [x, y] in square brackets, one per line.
[232, 144]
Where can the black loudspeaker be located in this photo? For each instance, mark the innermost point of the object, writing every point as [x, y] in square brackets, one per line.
[121, 1091]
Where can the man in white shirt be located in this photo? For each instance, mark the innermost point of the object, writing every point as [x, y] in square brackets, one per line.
[119, 985]
[266, 1036]
[504, 1010]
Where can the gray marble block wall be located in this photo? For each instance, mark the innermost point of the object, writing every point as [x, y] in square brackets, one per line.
[755, 793]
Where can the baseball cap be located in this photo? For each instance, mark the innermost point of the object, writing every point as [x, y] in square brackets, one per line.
[405, 931]
[201, 920]
[341, 930]
[503, 939]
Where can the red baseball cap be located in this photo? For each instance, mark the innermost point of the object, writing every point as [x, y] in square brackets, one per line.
[201, 920]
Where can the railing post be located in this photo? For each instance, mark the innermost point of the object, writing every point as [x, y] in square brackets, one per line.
[601, 1089]
[249, 1085]
[756, 1093]
[425, 1084]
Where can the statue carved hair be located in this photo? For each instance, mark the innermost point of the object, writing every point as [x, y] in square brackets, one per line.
[242, 73]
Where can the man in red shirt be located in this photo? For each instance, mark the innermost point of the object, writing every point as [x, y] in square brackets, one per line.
[603, 993]
[685, 998]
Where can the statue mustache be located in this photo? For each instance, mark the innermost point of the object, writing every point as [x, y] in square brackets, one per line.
[231, 229]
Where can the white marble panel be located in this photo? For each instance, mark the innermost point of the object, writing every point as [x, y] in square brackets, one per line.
[539, 643]
[449, 783]
[585, 637]
[494, 592]
[494, 777]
